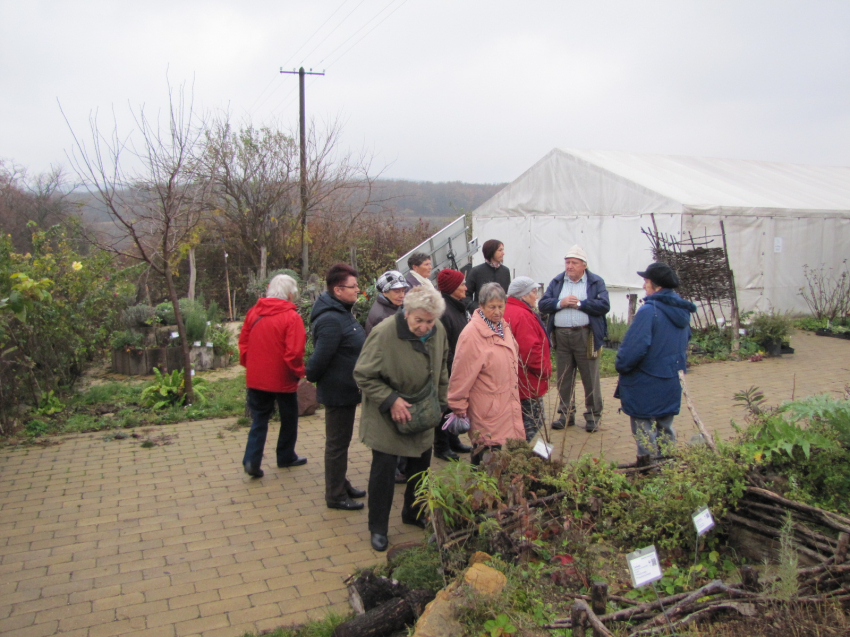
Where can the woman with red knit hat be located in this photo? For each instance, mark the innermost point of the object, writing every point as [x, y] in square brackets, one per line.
[451, 285]
[493, 269]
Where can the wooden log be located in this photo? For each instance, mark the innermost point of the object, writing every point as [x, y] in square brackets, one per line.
[578, 618]
[382, 620]
[418, 600]
[588, 616]
[368, 591]
[599, 597]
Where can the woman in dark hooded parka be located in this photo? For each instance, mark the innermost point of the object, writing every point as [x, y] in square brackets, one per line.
[650, 357]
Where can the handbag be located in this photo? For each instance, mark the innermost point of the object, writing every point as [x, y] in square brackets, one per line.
[425, 412]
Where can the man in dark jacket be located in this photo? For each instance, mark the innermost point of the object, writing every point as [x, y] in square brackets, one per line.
[271, 348]
[649, 359]
[337, 340]
[454, 319]
[577, 302]
[493, 269]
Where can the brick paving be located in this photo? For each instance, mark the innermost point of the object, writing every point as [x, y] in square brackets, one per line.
[106, 537]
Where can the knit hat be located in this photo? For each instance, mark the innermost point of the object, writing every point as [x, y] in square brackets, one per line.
[577, 252]
[448, 280]
[521, 286]
[661, 274]
[391, 280]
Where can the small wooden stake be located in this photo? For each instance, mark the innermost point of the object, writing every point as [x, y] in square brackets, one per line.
[708, 439]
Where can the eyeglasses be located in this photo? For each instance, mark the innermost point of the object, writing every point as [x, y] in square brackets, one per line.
[349, 287]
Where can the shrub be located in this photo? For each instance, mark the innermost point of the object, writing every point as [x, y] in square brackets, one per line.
[125, 339]
[138, 316]
[195, 320]
[58, 310]
[827, 293]
[167, 390]
[222, 340]
[770, 328]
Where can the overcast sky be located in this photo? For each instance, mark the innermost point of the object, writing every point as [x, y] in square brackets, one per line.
[447, 90]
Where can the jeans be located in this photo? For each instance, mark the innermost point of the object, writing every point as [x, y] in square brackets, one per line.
[339, 426]
[382, 488]
[652, 436]
[261, 405]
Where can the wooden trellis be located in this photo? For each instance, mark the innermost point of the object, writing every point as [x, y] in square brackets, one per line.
[705, 277]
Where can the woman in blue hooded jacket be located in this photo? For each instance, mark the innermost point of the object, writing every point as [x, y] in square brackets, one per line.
[650, 357]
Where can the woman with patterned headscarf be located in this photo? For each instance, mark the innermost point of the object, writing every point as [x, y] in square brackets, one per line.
[391, 289]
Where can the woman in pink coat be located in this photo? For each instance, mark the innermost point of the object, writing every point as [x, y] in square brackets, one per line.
[484, 385]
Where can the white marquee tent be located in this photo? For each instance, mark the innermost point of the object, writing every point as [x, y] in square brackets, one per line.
[777, 217]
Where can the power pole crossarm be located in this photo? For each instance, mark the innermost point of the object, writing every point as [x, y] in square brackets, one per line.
[305, 269]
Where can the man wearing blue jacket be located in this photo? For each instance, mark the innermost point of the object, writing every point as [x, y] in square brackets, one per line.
[650, 357]
[577, 302]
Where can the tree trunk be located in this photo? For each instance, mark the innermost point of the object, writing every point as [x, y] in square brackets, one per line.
[193, 273]
[369, 591]
[383, 620]
[184, 340]
[264, 255]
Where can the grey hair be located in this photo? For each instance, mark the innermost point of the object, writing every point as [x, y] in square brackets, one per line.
[490, 291]
[283, 287]
[424, 298]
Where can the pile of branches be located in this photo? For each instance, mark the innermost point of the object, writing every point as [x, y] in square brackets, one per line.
[820, 536]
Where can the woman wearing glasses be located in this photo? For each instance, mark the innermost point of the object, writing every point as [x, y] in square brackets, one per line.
[337, 341]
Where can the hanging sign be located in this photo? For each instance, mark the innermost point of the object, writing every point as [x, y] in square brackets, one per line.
[175, 334]
[644, 566]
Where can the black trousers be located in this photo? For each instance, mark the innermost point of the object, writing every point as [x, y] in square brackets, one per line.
[261, 404]
[443, 440]
[382, 487]
[339, 426]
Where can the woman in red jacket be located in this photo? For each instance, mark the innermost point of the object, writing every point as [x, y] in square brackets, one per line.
[535, 361]
[271, 348]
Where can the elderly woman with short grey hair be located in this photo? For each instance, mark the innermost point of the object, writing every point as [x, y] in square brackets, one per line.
[271, 348]
[402, 357]
[484, 382]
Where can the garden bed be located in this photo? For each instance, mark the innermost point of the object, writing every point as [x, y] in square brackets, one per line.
[141, 362]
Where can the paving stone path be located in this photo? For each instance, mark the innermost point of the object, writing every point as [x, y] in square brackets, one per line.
[105, 537]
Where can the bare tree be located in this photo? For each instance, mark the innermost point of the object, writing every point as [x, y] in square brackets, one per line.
[255, 194]
[42, 199]
[154, 192]
[254, 187]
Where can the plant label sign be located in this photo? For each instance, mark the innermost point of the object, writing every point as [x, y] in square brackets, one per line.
[209, 344]
[197, 343]
[175, 334]
[644, 566]
[703, 520]
[543, 449]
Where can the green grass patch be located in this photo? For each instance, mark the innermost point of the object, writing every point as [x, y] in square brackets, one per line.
[317, 628]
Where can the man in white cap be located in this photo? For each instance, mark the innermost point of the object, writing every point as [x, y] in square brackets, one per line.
[577, 302]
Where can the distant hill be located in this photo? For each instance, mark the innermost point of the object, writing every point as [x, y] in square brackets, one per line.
[436, 202]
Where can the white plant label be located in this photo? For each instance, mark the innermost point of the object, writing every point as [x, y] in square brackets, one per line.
[777, 244]
[175, 334]
[703, 520]
[192, 372]
[644, 566]
[197, 343]
[209, 344]
[543, 449]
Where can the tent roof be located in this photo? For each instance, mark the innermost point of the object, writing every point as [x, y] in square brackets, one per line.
[611, 182]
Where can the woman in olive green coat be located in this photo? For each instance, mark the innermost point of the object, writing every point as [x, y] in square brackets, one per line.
[400, 356]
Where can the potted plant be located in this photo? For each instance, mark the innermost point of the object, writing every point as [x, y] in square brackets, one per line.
[771, 330]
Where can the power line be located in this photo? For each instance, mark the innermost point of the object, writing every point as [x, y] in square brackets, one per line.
[366, 34]
[365, 24]
[255, 104]
[335, 28]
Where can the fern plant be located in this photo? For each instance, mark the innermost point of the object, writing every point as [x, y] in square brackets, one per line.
[167, 390]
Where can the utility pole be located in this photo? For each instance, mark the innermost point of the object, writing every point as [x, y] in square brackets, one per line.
[305, 270]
